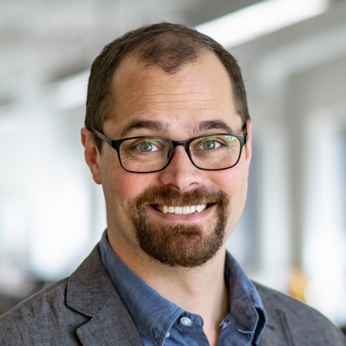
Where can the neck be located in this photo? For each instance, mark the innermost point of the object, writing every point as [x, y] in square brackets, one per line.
[200, 290]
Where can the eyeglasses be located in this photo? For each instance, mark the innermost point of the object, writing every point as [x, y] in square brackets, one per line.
[146, 154]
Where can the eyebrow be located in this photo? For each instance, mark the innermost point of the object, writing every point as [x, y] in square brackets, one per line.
[155, 125]
[212, 125]
[143, 124]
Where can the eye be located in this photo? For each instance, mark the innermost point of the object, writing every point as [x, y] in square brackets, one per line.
[147, 147]
[210, 144]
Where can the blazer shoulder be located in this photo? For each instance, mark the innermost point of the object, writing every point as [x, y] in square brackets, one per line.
[273, 299]
[45, 311]
[306, 324]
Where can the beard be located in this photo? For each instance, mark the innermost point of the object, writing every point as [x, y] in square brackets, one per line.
[179, 245]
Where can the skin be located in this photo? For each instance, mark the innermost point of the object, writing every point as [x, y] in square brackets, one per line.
[200, 91]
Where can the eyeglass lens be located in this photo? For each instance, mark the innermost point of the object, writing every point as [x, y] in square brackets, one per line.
[152, 154]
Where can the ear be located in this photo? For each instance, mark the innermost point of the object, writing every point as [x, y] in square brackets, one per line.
[91, 154]
[248, 146]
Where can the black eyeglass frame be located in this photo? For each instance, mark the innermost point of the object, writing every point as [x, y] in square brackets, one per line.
[115, 144]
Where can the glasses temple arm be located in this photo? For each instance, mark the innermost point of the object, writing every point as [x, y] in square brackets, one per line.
[102, 136]
[244, 129]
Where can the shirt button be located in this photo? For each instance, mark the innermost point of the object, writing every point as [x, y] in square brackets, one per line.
[168, 335]
[185, 321]
[224, 324]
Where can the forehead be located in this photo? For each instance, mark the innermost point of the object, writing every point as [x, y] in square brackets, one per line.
[198, 92]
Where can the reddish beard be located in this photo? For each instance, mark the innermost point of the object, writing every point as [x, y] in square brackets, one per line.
[185, 245]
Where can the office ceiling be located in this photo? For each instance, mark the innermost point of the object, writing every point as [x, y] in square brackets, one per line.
[42, 41]
[50, 39]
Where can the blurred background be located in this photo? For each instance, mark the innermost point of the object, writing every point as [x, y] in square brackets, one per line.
[292, 235]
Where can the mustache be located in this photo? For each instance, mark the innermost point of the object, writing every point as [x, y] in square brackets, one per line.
[167, 196]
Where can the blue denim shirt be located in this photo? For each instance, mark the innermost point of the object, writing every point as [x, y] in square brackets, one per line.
[162, 323]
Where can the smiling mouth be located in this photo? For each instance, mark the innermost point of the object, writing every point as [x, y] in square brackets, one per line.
[187, 209]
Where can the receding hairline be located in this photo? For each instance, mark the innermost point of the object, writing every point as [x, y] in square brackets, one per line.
[138, 60]
[167, 45]
[133, 58]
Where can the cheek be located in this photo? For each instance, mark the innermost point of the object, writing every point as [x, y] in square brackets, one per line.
[115, 183]
[233, 181]
[121, 187]
[128, 186]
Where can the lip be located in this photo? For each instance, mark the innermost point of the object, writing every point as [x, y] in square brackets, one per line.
[195, 217]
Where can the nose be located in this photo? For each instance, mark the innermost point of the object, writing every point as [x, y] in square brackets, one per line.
[181, 173]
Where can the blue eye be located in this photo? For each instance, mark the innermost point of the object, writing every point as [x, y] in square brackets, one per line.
[149, 145]
[146, 147]
[210, 145]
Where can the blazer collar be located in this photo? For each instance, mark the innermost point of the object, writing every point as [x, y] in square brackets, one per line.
[91, 292]
[277, 331]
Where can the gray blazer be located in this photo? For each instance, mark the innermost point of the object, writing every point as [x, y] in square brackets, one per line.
[85, 309]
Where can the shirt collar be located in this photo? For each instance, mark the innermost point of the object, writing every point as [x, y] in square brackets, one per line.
[245, 303]
[154, 315]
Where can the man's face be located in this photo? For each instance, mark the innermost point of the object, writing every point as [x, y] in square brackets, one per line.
[195, 101]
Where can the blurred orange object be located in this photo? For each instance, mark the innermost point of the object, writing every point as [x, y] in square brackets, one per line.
[297, 283]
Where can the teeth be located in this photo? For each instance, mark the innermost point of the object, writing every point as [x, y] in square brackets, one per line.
[186, 210]
[178, 210]
[201, 208]
[182, 210]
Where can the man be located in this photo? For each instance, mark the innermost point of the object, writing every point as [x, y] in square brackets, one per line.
[168, 135]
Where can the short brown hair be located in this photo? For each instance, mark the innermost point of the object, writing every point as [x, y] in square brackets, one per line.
[166, 45]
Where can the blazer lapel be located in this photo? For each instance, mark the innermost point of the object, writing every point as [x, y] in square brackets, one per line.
[91, 292]
[112, 325]
[277, 331]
